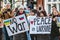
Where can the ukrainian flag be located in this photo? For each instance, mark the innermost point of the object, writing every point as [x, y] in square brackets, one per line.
[7, 22]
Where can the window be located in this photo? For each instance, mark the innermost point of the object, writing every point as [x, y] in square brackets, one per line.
[49, 8]
[59, 7]
[20, 2]
[49, 3]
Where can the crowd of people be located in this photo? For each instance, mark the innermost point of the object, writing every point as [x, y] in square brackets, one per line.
[7, 13]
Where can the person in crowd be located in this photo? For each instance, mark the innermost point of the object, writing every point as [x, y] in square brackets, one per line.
[6, 11]
[35, 11]
[6, 15]
[8, 6]
[32, 15]
[59, 25]
[41, 14]
[21, 36]
[54, 29]
[27, 10]
[20, 11]
[42, 36]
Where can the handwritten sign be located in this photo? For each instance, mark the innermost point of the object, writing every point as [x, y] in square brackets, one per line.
[16, 25]
[40, 25]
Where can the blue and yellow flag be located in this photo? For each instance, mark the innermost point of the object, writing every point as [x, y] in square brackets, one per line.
[7, 22]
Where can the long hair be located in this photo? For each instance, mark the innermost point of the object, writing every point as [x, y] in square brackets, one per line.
[44, 13]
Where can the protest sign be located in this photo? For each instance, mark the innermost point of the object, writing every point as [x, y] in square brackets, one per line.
[40, 25]
[16, 25]
[58, 21]
[7, 22]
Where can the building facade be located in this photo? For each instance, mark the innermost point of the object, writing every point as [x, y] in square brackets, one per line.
[49, 3]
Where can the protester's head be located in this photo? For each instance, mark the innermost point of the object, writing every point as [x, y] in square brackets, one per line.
[54, 10]
[35, 11]
[8, 5]
[41, 14]
[28, 7]
[32, 13]
[21, 10]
